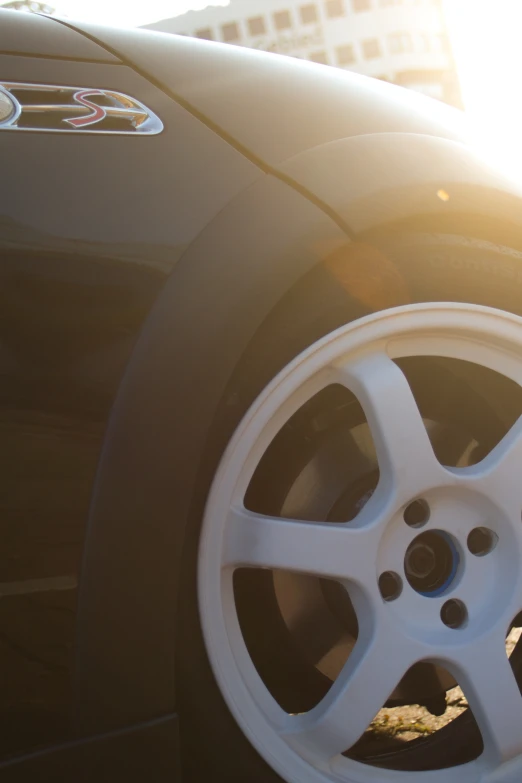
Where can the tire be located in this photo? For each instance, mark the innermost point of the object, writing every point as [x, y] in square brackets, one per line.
[363, 279]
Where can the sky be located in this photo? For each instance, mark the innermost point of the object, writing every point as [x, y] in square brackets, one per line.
[486, 42]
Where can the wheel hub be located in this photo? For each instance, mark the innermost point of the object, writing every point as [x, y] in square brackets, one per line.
[431, 563]
[474, 561]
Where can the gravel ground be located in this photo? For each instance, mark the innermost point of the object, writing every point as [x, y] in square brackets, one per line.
[413, 721]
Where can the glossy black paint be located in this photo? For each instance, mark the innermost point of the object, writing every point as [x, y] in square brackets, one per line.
[134, 274]
[149, 752]
[217, 296]
[42, 37]
[90, 229]
[274, 107]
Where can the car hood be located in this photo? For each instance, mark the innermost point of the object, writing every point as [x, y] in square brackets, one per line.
[39, 36]
[274, 107]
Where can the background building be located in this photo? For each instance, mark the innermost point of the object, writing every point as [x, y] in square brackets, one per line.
[29, 6]
[401, 41]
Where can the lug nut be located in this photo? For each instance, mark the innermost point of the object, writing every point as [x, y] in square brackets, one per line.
[453, 613]
[417, 513]
[390, 585]
[481, 541]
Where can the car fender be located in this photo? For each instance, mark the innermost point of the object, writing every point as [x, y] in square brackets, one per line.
[273, 106]
[216, 297]
[385, 178]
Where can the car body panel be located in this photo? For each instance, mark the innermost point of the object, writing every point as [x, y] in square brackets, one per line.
[91, 227]
[375, 180]
[147, 752]
[215, 299]
[137, 271]
[274, 106]
[173, 183]
[367, 153]
[43, 37]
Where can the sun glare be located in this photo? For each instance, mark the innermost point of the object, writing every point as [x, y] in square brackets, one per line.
[488, 54]
[485, 37]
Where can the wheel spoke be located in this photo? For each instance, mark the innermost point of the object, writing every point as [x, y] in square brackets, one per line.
[501, 471]
[370, 675]
[331, 550]
[396, 628]
[404, 451]
[488, 682]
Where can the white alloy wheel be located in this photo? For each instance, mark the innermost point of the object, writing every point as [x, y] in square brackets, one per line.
[393, 635]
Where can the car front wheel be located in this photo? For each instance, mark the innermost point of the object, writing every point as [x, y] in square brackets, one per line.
[355, 581]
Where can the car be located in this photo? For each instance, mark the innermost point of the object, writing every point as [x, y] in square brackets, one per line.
[261, 435]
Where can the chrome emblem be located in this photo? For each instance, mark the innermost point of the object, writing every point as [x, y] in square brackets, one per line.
[7, 107]
[43, 107]
[97, 114]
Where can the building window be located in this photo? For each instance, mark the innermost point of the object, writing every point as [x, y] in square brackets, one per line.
[400, 43]
[334, 8]
[345, 54]
[309, 14]
[282, 20]
[319, 57]
[230, 31]
[361, 5]
[371, 48]
[206, 33]
[256, 26]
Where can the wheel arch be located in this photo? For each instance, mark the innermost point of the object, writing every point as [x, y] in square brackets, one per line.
[256, 251]
[388, 179]
[217, 296]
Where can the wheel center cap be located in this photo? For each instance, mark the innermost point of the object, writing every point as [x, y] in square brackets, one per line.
[431, 562]
[420, 560]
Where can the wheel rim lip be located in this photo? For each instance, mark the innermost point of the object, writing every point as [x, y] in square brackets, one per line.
[476, 325]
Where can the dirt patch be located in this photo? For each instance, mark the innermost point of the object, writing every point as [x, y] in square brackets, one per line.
[413, 721]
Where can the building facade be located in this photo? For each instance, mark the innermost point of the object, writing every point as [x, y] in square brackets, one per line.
[29, 6]
[401, 41]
